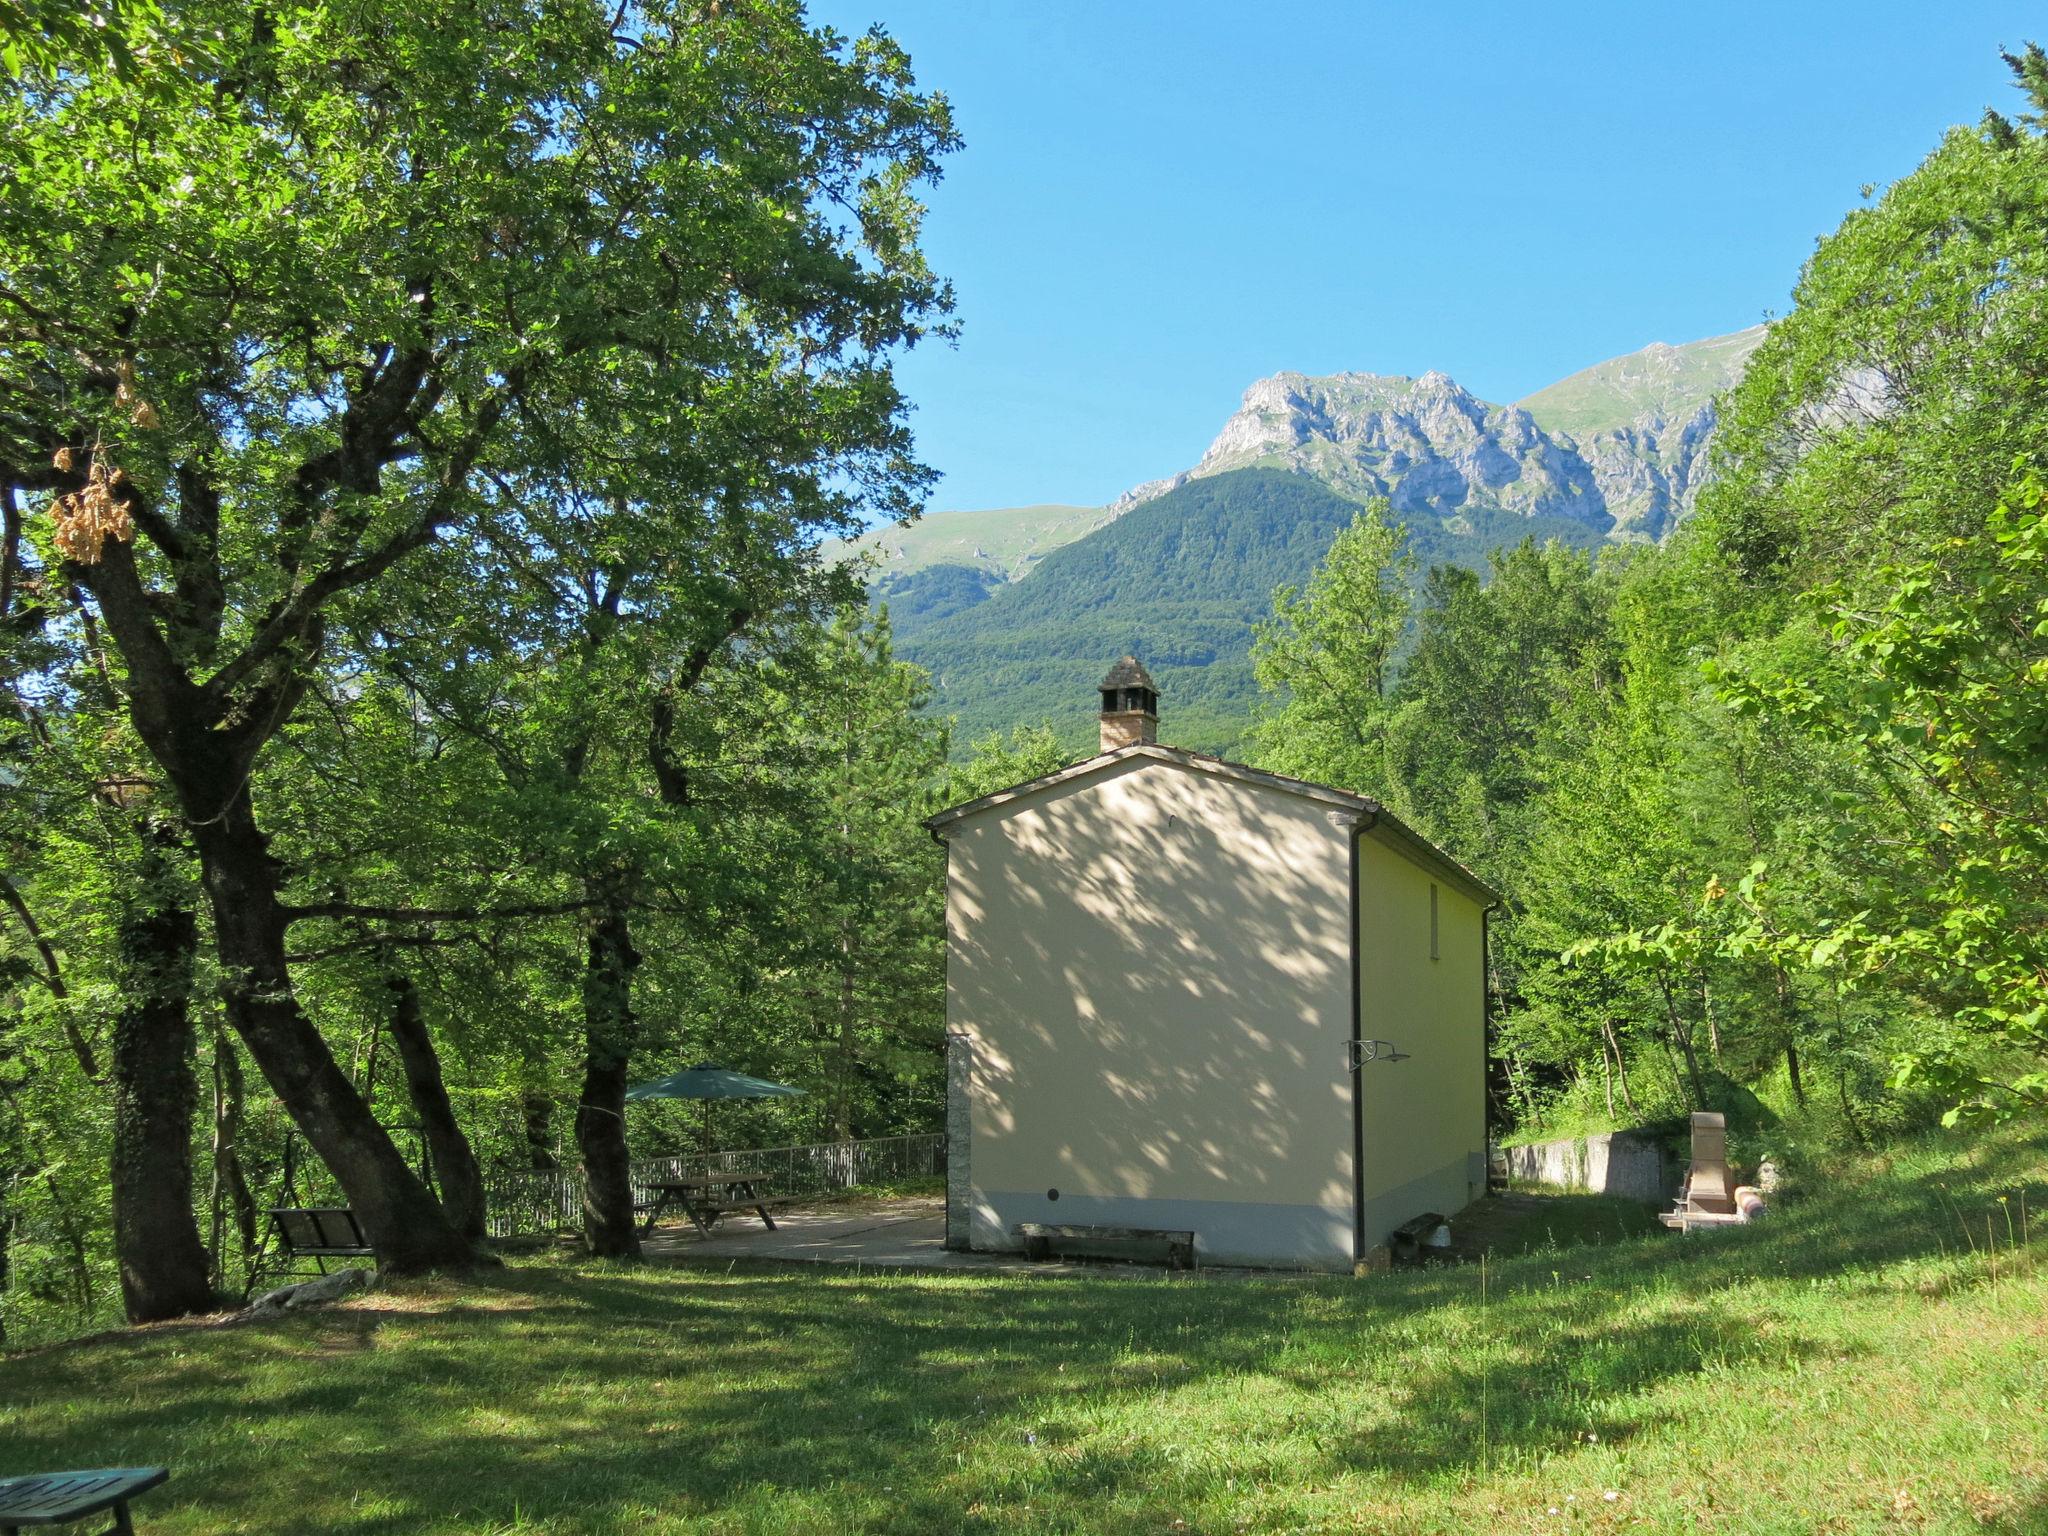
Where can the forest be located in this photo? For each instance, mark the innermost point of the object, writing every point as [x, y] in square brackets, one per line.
[1179, 580]
[1766, 801]
[427, 709]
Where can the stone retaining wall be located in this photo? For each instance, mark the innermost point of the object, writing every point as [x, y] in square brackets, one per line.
[1622, 1163]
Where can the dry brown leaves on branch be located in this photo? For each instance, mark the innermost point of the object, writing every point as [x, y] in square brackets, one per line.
[130, 398]
[87, 518]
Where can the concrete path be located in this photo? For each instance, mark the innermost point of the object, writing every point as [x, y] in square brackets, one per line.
[879, 1234]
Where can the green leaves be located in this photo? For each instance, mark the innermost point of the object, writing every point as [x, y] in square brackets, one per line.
[482, 383]
[1329, 652]
[1940, 694]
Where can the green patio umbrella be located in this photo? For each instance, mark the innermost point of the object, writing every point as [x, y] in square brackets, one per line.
[708, 1080]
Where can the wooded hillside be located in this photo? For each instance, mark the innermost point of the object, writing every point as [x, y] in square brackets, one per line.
[1768, 801]
[1180, 580]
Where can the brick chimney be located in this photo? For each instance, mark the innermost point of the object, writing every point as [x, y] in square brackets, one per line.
[1130, 706]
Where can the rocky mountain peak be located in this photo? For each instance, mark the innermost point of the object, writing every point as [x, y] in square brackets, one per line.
[1619, 448]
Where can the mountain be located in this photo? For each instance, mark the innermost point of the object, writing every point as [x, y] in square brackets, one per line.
[1015, 612]
[1671, 383]
[1004, 542]
[1179, 580]
[947, 561]
[1642, 423]
[1427, 445]
[1618, 448]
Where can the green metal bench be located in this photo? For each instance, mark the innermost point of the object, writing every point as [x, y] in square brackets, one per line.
[58, 1498]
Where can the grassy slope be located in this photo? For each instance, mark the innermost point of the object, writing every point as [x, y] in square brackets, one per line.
[1673, 381]
[1179, 581]
[1007, 541]
[1848, 1367]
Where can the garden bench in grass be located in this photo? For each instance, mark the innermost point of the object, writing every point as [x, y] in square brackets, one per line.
[319, 1233]
[1040, 1237]
[58, 1498]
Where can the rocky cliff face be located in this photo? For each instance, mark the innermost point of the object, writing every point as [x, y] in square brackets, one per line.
[1649, 473]
[1433, 448]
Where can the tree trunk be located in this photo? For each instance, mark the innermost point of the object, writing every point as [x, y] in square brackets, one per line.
[1683, 1037]
[77, 1243]
[163, 1264]
[842, 1098]
[455, 1165]
[1620, 1066]
[1788, 1023]
[400, 1216]
[537, 1113]
[6, 1250]
[53, 978]
[1848, 1105]
[230, 1180]
[608, 1026]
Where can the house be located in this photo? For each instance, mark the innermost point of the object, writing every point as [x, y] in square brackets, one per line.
[1184, 994]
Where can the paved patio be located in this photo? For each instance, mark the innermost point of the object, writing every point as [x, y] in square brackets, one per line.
[879, 1234]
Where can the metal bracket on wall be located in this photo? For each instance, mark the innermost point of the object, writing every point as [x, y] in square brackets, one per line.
[1362, 1051]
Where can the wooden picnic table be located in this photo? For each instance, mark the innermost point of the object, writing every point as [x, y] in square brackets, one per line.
[704, 1197]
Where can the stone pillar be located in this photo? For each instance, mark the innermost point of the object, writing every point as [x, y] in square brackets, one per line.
[959, 1140]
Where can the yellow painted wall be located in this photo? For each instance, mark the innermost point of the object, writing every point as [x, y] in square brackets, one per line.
[1425, 1116]
[1154, 966]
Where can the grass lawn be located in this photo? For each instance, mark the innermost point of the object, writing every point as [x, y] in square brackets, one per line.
[1861, 1363]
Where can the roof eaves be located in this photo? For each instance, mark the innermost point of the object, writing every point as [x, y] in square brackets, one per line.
[1308, 789]
[934, 823]
[1422, 851]
[1201, 762]
[1371, 814]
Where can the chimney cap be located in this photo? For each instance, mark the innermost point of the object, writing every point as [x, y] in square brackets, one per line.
[1129, 673]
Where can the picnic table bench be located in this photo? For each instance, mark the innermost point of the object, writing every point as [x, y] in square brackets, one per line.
[319, 1233]
[1039, 1238]
[705, 1197]
[58, 1498]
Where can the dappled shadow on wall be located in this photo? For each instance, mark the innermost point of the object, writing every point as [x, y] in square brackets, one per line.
[1147, 947]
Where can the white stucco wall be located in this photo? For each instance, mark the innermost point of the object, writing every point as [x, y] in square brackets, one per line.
[1154, 966]
[1425, 1118]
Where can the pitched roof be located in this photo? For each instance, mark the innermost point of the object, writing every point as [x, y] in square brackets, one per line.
[1372, 815]
[1129, 673]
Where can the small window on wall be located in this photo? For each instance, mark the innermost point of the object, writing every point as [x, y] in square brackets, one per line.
[1432, 923]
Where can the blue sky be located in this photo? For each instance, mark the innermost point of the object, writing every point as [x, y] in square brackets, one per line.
[1160, 202]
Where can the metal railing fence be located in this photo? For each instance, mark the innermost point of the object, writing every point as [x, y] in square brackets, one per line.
[551, 1199]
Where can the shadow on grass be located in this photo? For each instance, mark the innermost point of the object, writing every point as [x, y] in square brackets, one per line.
[593, 1396]
[1505, 1226]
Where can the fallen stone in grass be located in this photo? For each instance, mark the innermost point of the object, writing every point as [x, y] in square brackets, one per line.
[310, 1293]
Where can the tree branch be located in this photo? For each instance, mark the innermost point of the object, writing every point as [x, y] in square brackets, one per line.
[671, 778]
[377, 942]
[294, 618]
[293, 914]
[53, 977]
